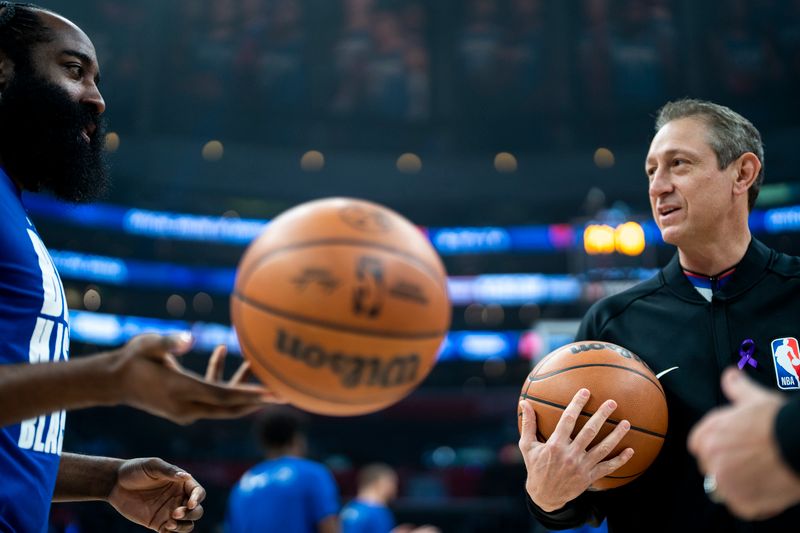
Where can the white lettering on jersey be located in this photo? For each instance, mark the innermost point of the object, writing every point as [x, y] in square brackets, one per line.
[61, 432]
[31, 433]
[65, 343]
[38, 443]
[27, 430]
[58, 345]
[39, 351]
[37, 433]
[53, 304]
[51, 443]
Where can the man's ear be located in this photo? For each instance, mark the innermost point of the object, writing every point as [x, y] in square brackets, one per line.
[749, 166]
[6, 70]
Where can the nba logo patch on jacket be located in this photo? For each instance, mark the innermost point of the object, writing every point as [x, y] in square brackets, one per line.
[786, 357]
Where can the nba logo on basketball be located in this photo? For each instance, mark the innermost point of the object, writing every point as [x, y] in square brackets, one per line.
[786, 356]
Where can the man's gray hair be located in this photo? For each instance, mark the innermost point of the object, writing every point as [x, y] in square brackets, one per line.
[729, 134]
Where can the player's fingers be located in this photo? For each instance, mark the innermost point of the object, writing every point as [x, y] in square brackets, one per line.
[157, 468]
[607, 445]
[271, 397]
[193, 389]
[196, 496]
[156, 346]
[177, 344]
[528, 425]
[184, 513]
[171, 526]
[216, 363]
[171, 362]
[241, 375]
[184, 526]
[593, 426]
[566, 424]
[605, 468]
[219, 412]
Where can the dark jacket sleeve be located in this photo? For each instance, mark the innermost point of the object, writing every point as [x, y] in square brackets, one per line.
[582, 509]
[787, 433]
[574, 514]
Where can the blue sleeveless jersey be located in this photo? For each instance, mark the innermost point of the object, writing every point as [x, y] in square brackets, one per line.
[285, 495]
[34, 328]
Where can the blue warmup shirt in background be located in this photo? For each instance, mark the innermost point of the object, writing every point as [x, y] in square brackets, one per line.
[286, 495]
[34, 328]
[365, 517]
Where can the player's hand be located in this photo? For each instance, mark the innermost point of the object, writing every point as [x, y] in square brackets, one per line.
[561, 469]
[735, 444]
[157, 495]
[146, 374]
[216, 366]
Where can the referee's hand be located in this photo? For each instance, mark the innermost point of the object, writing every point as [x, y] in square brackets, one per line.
[561, 469]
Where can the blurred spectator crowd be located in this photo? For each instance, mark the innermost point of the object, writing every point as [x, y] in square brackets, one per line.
[249, 67]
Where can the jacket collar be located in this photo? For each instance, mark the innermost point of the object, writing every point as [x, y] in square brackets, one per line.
[749, 271]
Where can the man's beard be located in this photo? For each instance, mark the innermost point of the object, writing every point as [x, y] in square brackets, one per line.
[41, 144]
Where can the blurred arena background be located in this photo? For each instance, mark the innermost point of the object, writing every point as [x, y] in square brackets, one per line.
[512, 131]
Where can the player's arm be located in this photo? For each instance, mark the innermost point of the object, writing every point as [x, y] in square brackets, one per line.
[28, 390]
[329, 524]
[144, 374]
[82, 477]
[149, 492]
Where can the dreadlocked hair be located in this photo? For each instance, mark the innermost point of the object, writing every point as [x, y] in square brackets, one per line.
[20, 29]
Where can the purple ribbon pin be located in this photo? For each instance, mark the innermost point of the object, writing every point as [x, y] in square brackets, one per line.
[746, 354]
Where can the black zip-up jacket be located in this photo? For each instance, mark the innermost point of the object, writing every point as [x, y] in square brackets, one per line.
[668, 323]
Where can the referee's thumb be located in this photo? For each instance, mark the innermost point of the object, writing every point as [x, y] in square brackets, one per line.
[738, 387]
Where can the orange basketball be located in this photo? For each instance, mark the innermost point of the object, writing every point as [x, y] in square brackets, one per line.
[340, 306]
[610, 372]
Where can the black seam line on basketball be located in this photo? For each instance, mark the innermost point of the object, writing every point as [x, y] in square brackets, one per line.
[538, 367]
[243, 339]
[348, 242]
[625, 477]
[588, 365]
[338, 327]
[586, 413]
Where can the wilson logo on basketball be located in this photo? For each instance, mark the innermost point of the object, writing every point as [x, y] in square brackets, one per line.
[353, 370]
[578, 348]
[365, 219]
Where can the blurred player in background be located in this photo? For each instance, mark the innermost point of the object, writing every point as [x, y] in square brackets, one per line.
[286, 493]
[725, 298]
[51, 137]
[369, 512]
